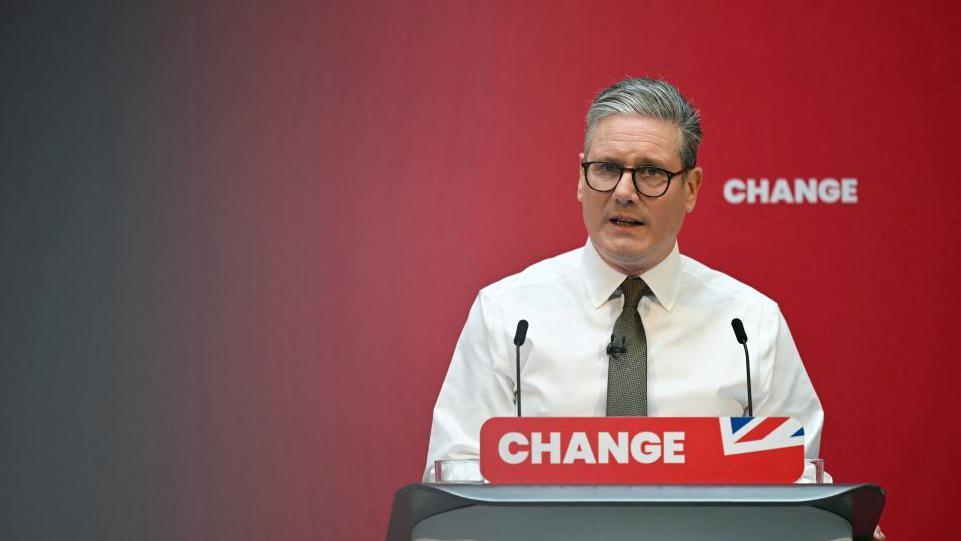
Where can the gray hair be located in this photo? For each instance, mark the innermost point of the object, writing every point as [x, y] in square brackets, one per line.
[649, 98]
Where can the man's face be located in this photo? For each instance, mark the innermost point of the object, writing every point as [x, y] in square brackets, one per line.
[632, 232]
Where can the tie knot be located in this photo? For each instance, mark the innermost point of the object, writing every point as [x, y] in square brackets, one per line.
[633, 288]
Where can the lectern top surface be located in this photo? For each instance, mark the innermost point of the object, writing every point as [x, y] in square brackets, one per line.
[704, 494]
[860, 505]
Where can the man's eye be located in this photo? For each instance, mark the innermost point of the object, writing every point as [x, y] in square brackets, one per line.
[650, 172]
[609, 168]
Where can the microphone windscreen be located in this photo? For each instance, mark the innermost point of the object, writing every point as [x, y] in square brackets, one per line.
[739, 331]
[521, 335]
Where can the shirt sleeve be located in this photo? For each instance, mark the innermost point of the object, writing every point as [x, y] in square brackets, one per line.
[789, 392]
[478, 386]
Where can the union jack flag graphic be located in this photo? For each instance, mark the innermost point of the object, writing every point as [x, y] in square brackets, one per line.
[753, 434]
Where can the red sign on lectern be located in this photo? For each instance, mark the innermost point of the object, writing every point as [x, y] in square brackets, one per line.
[642, 450]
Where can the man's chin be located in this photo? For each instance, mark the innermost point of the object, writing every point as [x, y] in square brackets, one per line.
[626, 257]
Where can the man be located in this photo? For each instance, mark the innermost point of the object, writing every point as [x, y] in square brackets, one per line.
[625, 325]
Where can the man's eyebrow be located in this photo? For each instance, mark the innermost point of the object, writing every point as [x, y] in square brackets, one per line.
[645, 163]
[603, 158]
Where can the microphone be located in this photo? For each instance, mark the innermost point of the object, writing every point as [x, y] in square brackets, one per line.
[614, 350]
[742, 339]
[520, 336]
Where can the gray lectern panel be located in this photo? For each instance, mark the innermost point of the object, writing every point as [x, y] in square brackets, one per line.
[621, 523]
[776, 512]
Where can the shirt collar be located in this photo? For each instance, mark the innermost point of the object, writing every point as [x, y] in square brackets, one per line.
[664, 279]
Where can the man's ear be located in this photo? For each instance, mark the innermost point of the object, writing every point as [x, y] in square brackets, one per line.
[692, 184]
[580, 177]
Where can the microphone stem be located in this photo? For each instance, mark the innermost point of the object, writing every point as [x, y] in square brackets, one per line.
[747, 362]
[518, 381]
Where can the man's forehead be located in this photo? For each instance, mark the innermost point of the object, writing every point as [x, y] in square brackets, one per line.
[634, 136]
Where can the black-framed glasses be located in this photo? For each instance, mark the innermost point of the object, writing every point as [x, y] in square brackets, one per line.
[649, 181]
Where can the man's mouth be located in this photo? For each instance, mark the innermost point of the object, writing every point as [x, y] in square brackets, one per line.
[626, 222]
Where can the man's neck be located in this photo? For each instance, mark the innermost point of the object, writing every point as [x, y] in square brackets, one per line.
[636, 269]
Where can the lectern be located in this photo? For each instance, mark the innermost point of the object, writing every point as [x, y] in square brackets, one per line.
[478, 512]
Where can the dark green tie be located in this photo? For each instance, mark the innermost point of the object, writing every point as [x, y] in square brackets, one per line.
[627, 369]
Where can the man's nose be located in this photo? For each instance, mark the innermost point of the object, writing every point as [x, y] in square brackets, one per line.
[625, 192]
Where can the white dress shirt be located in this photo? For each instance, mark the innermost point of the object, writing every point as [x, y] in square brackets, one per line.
[695, 366]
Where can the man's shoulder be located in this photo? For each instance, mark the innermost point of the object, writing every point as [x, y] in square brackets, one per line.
[547, 273]
[699, 279]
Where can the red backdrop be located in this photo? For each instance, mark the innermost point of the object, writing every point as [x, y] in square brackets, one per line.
[356, 172]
